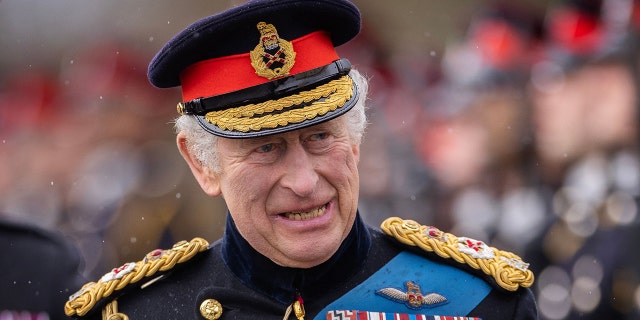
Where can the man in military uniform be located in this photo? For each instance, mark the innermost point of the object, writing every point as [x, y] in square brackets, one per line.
[277, 134]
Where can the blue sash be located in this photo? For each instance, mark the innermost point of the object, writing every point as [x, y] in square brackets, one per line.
[463, 291]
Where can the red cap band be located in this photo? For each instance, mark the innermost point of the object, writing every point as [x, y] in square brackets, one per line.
[231, 73]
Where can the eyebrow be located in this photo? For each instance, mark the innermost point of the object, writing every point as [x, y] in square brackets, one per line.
[256, 141]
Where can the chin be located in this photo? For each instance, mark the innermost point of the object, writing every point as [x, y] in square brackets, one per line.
[307, 258]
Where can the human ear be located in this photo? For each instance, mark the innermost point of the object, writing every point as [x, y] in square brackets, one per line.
[355, 149]
[206, 177]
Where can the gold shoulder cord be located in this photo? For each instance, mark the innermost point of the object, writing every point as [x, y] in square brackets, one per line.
[156, 261]
[508, 269]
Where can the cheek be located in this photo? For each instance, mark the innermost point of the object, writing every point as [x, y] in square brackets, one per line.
[240, 188]
[344, 175]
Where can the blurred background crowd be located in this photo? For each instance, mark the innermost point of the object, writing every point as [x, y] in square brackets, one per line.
[513, 122]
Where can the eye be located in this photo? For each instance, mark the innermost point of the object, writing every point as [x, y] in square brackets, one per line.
[319, 141]
[266, 148]
[319, 136]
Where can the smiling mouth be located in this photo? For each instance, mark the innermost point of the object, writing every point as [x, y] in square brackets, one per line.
[299, 216]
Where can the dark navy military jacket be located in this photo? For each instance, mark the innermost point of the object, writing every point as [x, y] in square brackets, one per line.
[370, 273]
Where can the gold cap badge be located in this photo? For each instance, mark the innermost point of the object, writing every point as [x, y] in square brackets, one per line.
[272, 57]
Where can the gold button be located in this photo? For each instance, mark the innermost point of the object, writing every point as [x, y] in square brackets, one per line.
[211, 309]
[410, 225]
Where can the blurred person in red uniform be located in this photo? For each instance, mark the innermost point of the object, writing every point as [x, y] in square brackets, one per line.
[475, 135]
[40, 268]
[585, 120]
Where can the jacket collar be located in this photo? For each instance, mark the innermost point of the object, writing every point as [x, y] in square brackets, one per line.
[282, 283]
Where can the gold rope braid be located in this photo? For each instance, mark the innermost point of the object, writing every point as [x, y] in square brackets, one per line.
[110, 312]
[508, 269]
[336, 94]
[156, 261]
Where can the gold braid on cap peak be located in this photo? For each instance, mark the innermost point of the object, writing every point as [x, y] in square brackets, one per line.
[508, 269]
[324, 98]
[155, 261]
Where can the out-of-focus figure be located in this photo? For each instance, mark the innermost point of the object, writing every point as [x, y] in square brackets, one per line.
[475, 136]
[585, 118]
[75, 160]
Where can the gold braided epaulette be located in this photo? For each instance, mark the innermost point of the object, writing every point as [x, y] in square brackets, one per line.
[81, 302]
[508, 269]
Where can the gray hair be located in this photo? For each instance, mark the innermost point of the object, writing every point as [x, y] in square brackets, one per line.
[203, 145]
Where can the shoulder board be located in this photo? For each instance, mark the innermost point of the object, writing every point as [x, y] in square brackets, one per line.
[507, 270]
[154, 263]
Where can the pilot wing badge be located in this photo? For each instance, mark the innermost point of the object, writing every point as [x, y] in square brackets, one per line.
[412, 297]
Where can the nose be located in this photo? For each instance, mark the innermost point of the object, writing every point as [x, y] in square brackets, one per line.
[299, 174]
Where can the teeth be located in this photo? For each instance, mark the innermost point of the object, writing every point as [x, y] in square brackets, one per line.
[305, 215]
